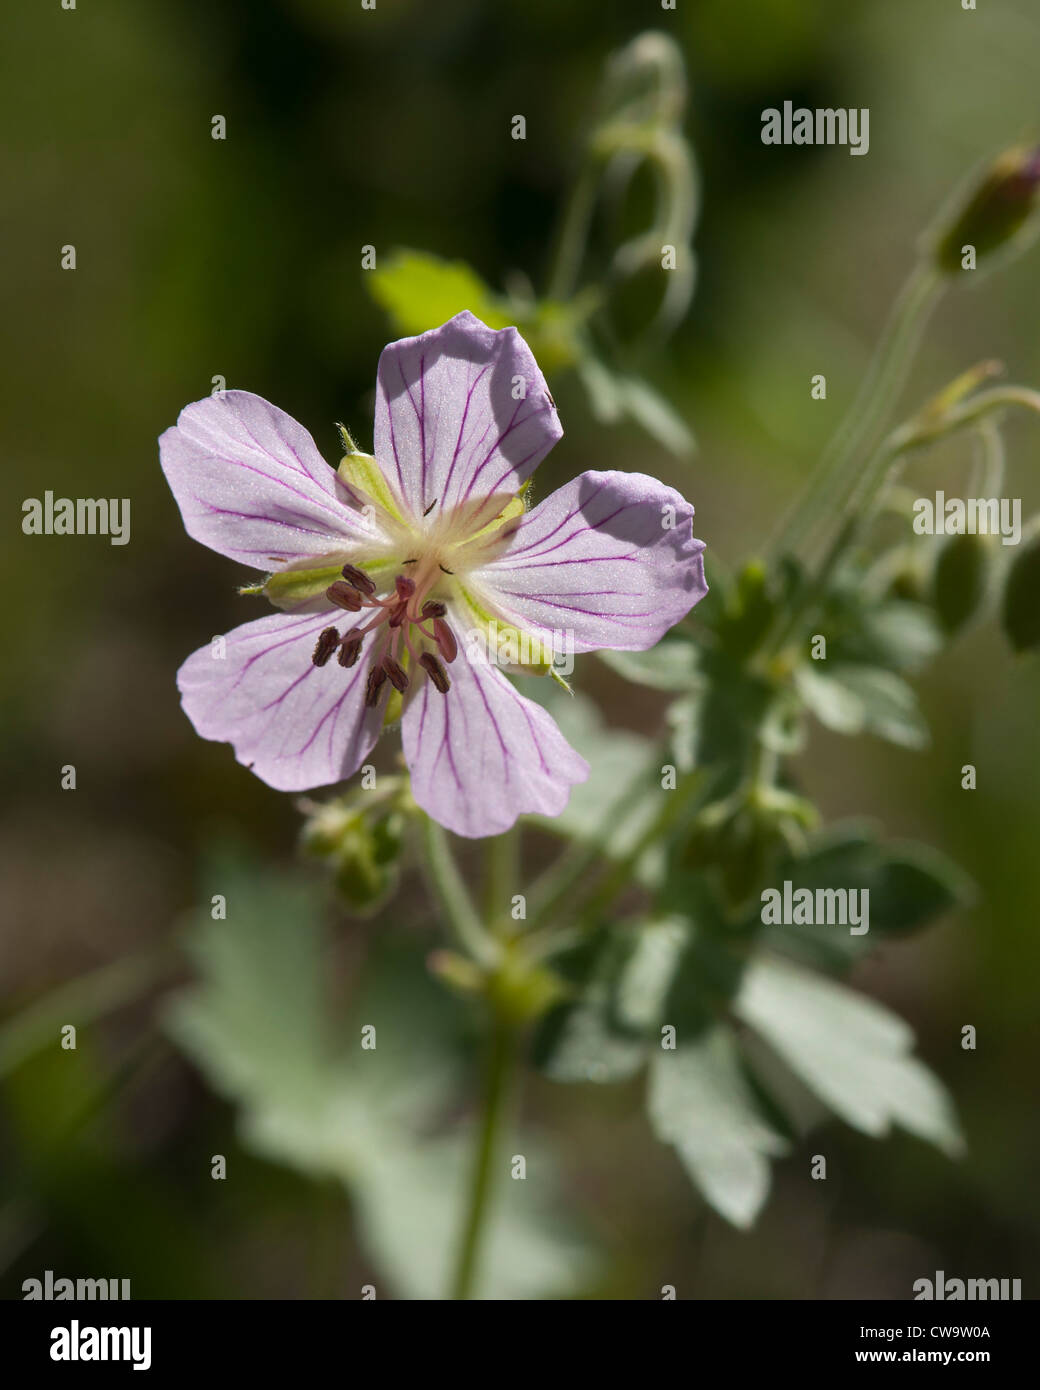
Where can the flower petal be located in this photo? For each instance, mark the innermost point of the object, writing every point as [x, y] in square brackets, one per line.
[449, 427]
[251, 484]
[294, 724]
[482, 754]
[609, 558]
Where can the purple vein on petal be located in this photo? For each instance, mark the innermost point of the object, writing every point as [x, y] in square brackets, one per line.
[462, 424]
[494, 723]
[513, 424]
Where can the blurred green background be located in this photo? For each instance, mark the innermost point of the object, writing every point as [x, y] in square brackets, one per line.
[241, 258]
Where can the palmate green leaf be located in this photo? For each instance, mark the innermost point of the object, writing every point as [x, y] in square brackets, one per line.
[851, 1052]
[255, 1024]
[421, 292]
[854, 699]
[910, 884]
[700, 1102]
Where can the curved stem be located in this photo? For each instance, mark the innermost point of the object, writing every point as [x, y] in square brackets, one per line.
[453, 897]
[500, 1074]
[824, 494]
[570, 247]
[619, 875]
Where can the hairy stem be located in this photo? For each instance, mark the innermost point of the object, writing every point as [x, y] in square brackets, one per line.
[501, 1069]
[453, 898]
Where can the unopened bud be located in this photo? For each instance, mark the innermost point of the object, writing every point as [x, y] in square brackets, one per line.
[994, 212]
[959, 579]
[1020, 612]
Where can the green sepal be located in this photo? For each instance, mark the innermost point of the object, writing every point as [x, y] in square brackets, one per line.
[362, 474]
[507, 635]
[292, 586]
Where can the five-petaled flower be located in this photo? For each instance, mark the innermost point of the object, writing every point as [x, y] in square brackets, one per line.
[386, 569]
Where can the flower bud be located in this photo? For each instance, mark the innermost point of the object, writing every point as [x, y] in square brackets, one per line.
[1020, 612]
[994, 213]
[360, 839]
[959, 579]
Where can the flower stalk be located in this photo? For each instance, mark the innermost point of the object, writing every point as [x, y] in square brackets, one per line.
[503, 1057]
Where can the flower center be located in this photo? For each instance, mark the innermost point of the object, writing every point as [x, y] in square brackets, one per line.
[404, 617]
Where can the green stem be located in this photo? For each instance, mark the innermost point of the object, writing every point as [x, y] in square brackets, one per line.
[620, 874]
[453, 897]
[872, 485]
[502, 1064]
[572, 874]
[825, 493]
[503, 872]
[590, 894]
[989, 471]
[814, 590]
[570, 248]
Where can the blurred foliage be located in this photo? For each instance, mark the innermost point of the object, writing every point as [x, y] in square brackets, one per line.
[366, 1100]
[199, 258]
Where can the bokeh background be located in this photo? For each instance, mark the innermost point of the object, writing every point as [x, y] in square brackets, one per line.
[240, 258]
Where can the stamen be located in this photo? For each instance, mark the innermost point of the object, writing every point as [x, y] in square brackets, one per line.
[430, 508]
[325, 646]
[432, 609]
[395, 673]
[344, 595]
[445, 639]
[436, 672]
[376, 678]
[359, 579]
[349, 651]
[446, 571]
